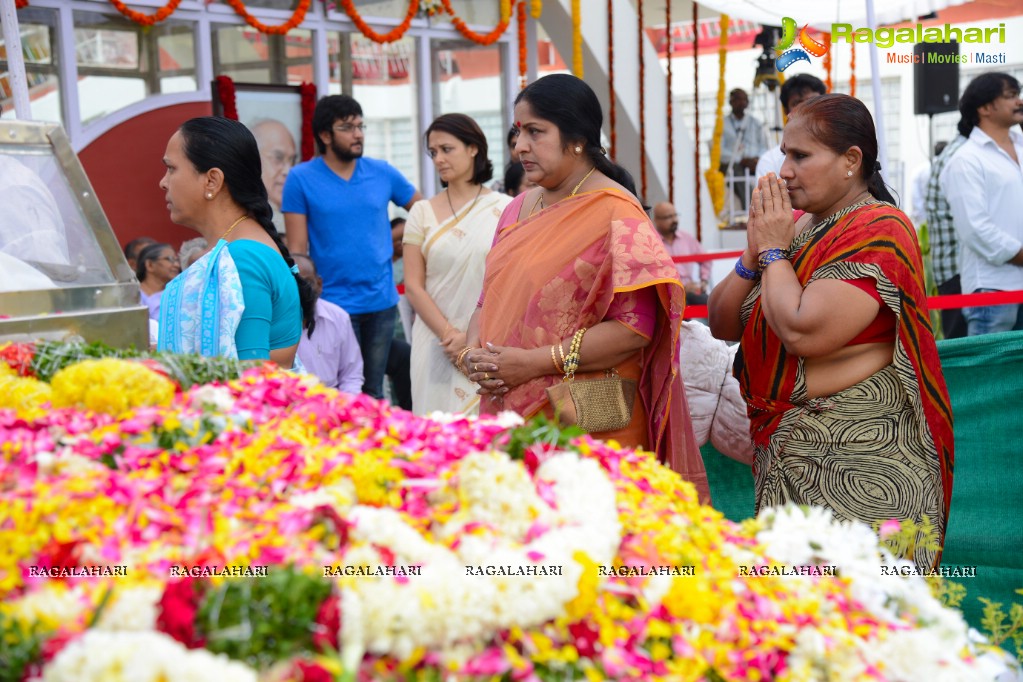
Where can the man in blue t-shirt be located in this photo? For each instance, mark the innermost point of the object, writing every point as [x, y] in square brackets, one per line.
[335, 210]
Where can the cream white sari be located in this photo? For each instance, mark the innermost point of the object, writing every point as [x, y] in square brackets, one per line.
[455, 253]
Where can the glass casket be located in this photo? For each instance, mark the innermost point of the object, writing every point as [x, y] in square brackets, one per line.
[62, 273]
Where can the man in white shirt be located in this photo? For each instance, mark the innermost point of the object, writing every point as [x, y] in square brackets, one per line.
[794, 92]
[984, 186]
[742, 143]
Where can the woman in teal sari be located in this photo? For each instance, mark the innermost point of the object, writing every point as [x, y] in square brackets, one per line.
[243, 299]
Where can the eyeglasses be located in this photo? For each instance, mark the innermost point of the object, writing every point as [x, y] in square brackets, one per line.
[348, 127]
[666, 217]
[1013, 94]
[169, 259]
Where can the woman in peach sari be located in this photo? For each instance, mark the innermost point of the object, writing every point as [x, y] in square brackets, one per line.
[579, 252]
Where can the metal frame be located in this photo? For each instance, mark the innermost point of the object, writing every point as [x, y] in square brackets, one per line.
[104, 312]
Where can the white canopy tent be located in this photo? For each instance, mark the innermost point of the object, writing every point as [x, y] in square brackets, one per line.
[822, 13]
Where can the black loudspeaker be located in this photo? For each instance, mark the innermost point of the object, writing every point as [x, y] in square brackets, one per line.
[936, 77]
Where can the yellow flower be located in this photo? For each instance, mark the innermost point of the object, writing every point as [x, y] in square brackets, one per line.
[24, 395]
[110, 385]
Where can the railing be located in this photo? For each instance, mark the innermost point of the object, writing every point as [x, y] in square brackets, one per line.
[946, 302]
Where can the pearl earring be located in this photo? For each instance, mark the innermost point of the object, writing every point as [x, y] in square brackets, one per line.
[848, 173]
[209, 195]
[578, 149]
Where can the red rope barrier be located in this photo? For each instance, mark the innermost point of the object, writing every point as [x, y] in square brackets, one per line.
[945, 302]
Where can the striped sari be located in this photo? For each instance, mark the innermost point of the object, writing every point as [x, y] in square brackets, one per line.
[882, 448]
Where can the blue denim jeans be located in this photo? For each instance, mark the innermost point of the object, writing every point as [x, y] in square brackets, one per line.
[374, 332]
[993, 318]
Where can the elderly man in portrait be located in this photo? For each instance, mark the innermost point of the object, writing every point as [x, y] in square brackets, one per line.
[279, 153]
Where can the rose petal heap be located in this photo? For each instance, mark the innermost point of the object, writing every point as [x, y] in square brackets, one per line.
[305, 533]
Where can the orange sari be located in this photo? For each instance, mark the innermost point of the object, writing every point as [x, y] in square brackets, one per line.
[557, 271]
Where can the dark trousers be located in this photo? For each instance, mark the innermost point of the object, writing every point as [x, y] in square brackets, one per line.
[399, 371]
[953, 324]
[374, 332]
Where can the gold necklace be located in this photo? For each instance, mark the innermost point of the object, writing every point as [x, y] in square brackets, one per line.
[539, 199]
[447, 193]
[233, 225]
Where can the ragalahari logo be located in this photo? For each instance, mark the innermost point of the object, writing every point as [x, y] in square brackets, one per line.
[787, 57]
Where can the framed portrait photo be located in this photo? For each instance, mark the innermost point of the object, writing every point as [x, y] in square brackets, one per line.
[274, 114]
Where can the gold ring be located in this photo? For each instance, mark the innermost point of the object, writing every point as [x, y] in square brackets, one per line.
[475, 367]
[486, 376]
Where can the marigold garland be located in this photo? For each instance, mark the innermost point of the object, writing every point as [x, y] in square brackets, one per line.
[141, 18]
[227, 95]
[394, 34]
[715, 178]
[469, 34]
[642, 100]
[535, 8]
[577, 40]
[826, 39]
[523, 63]
[696, 114]
[296, 18]
[852, 70]
[671, 137]
[611, 73]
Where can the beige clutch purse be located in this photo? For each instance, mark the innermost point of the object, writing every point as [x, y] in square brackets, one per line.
[594, 405]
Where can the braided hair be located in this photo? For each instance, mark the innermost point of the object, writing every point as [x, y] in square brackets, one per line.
[218, 142]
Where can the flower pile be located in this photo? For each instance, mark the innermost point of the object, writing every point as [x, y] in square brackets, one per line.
[269, 528]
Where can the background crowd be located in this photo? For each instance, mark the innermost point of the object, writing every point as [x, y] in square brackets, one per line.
[494, 295]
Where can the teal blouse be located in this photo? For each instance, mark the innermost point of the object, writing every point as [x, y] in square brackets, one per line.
[273, 313]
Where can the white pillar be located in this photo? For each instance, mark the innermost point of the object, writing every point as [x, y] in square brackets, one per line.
[15, 60]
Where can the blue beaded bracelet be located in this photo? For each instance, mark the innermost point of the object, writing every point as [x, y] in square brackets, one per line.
[768, 256]
[744, 272]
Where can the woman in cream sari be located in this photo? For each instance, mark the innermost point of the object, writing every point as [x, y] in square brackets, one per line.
[445, 248]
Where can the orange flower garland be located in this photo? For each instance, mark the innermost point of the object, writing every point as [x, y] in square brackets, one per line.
[144, 19]
[671, 134]
[18, 4]
[611, 114]
[640, 42]
[852, 70]
[394, 34]
[826, 39]
[577, 40]
[469, 34]
[297, 18]
[523, 64]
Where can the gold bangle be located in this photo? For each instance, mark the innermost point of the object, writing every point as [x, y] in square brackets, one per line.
[554, 360]
[561, 355]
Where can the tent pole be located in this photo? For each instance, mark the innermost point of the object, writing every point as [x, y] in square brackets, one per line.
[875, 82]
[15, 60]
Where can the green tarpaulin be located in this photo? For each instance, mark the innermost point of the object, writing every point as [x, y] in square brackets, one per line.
[985, 380]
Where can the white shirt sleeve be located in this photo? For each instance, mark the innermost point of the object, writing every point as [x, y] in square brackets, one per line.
[964, 186]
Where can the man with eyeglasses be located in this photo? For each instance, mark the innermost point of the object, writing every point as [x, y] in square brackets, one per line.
[335, 211]
[983, 183]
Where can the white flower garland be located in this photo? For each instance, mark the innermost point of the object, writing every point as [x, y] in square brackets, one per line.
[929, 649]
[99, 656]
[445, 609]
